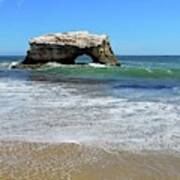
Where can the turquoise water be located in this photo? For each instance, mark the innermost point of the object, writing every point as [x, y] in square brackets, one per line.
[134, 107]
[132, 66]
[152, 67]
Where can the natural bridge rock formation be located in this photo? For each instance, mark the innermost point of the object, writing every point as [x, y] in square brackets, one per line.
[66, 47]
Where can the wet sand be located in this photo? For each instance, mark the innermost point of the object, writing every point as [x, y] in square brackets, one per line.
[70, 161]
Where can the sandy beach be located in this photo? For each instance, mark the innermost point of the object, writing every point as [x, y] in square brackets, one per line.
[70, 161]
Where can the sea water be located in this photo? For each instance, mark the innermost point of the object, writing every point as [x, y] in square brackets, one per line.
[134, 108]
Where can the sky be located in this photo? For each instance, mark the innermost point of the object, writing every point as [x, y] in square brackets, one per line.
[135, 27]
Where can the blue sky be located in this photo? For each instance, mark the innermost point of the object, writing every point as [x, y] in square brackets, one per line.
[135, 27]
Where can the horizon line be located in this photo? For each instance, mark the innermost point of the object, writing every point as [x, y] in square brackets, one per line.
[1, 55]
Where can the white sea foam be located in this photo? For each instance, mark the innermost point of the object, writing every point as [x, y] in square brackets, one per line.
[97, 65]
[4, 65]
[54, 113]
[149, 70]
[53, 64]
[13, 64]
[9, 65]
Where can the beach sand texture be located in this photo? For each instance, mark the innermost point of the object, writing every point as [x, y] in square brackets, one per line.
[70, 161]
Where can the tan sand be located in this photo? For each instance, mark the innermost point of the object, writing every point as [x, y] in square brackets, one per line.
[36, 161]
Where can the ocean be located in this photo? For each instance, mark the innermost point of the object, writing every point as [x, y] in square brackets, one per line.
[91, 121]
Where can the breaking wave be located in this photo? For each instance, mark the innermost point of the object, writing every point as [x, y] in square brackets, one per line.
[102, 71]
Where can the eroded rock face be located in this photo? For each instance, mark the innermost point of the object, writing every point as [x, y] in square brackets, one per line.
[66, 47]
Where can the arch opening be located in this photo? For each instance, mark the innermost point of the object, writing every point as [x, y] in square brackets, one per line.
[83, 59]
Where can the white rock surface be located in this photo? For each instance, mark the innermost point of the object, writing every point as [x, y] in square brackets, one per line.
[81, 39]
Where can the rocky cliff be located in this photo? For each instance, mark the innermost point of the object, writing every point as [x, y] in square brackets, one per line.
[66, 47]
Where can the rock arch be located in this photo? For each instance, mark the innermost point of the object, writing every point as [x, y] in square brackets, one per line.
[66, 47]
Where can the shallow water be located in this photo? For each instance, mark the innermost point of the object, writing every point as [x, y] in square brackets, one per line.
[132, 109]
